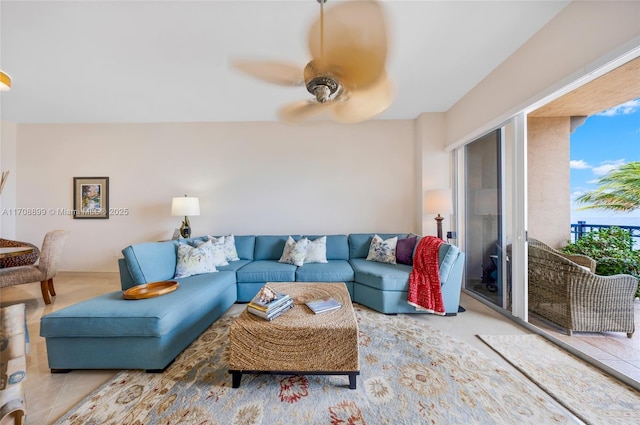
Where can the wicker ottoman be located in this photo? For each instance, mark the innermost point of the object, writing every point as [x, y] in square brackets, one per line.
[298, 342]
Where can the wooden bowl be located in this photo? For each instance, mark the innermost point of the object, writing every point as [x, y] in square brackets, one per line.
[150, 290]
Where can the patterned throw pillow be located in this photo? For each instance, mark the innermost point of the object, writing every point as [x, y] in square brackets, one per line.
[217, 252]
[229, 246]
[404, 250]
[294, 252]
[317, 251]
[383, 251]
[194, 260]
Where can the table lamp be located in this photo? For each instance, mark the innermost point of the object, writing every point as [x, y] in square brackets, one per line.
[438, 201]
[185, 206]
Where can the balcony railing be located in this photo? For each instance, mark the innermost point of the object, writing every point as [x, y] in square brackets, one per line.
[579, 229]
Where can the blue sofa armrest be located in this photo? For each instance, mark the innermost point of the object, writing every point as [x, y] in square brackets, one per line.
[126, 281]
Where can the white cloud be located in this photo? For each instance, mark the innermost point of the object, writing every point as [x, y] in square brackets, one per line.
[576, 193]
[607, 166]
[579, 164]
[626, 108]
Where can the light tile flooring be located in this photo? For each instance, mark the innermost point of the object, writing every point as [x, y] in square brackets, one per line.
[613, 349]
[49, 396]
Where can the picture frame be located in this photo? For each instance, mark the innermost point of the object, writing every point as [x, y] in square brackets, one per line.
[91, 197]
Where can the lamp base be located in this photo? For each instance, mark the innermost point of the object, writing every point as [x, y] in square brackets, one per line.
[439, 219]
[185, 229]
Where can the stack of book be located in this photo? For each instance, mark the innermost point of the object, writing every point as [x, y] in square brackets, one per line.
[271, 306]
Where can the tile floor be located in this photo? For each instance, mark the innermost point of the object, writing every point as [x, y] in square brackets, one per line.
[49, 396]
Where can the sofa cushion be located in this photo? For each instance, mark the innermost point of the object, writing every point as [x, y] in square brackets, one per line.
[383, 251]
[266, 271]
[337, 246]
[217, 251]
[234, 266]
[359, 243]
[245, 244]
[228, 244]
[151, 261]
[382, 276]
[294, 252]
[270, 247]
[195, 260]
[110, 315]
[331, 271]
[316, 250]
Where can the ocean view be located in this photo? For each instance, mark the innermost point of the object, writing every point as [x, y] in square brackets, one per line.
[613, 220]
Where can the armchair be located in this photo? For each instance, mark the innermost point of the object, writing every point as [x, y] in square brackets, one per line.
[564, 290]
[44, 271]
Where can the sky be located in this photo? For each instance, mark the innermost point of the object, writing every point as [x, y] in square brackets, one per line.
[604, 142]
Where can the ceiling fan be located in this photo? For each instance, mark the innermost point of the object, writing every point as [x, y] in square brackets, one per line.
[346, 75]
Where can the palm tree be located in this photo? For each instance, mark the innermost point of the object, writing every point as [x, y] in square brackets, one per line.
[618, 191]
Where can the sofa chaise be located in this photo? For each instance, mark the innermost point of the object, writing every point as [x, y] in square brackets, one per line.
[109, 332]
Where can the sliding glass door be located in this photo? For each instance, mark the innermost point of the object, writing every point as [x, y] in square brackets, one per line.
[486, 220]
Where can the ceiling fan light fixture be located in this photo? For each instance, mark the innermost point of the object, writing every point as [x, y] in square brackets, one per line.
[5, 81]
[322, 88]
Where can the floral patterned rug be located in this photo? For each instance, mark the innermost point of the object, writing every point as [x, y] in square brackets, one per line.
[591, 394]
[410, 374]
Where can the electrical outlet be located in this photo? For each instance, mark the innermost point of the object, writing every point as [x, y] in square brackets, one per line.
[451, 235]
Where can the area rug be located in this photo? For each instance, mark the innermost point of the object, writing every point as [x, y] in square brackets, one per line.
[591, 394]
[410, 374]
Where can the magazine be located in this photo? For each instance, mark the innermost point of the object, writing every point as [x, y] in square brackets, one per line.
[271, 314]
[260, 303]
[322, 305]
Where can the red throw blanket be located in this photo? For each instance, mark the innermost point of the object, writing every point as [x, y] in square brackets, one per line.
[425, 292]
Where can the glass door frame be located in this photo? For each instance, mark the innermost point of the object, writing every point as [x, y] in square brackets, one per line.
[513, 202]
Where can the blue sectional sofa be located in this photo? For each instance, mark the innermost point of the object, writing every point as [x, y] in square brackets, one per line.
[109, 332]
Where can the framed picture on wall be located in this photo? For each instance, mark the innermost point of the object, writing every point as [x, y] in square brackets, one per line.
[91, 197]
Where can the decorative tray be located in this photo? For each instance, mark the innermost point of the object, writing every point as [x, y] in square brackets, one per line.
[150, 290]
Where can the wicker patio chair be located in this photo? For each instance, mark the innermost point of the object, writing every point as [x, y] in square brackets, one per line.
[581, 260]
[567, 294]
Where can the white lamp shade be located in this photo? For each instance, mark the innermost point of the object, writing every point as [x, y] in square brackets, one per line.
[438, 201]
[185, 206]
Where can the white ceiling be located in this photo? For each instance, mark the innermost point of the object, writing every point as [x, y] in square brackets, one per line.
[168, 61]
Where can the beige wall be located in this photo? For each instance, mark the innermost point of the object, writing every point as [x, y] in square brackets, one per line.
[549, 180]
[581, 38]
[251, 178]
[434, 165]
[272, 178]
[8, 144]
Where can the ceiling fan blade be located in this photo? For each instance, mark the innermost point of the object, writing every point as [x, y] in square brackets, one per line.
[303, 110]
[353, 42]
[360, 105]
[282, 73]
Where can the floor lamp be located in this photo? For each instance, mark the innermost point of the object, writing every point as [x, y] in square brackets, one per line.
[438, 201]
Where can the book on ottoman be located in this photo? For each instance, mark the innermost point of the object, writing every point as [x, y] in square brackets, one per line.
[322, 305]
[269, 304]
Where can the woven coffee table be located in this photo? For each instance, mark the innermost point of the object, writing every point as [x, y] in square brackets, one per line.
[298, 342]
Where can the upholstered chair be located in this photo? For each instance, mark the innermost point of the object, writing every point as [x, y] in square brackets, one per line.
[18, 260]
[44, 271]
[13, 364]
